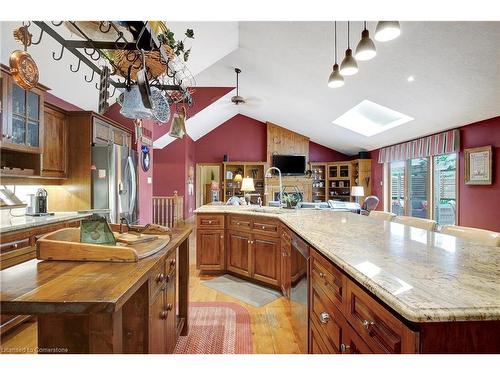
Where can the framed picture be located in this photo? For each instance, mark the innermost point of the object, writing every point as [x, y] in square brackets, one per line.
[478, 165]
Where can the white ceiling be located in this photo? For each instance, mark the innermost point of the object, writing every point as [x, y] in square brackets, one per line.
[287, 64]
[72, 86]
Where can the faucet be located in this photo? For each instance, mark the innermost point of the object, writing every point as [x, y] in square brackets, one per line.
[259, 201]
[123, 220]
[268, 174]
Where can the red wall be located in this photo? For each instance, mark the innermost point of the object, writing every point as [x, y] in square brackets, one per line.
[145, 190]
[242, 138]
[321, 153]
[58, 102]
[478, 205]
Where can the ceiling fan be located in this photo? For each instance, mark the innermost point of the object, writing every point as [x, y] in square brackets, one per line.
[237, 99]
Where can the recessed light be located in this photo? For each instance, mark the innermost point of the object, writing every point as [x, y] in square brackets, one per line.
[369, 118]
[410, 79]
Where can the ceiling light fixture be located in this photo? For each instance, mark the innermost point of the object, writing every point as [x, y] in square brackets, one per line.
[366, 48]
[335, 80]
[411, 79]
[387, 30]
[349, 65]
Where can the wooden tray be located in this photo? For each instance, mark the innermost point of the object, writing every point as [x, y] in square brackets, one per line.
[64, 244]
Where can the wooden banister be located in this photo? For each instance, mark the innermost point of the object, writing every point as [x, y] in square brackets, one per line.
[168, 211]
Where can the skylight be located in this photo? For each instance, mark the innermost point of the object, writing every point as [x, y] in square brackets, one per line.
[369, 118]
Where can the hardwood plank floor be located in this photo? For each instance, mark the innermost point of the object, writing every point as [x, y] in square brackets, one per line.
[272, 330]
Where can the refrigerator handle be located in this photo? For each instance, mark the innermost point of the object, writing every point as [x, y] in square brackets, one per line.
[133, 193]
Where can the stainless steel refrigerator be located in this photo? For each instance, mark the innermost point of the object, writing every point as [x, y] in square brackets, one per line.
[114, 181]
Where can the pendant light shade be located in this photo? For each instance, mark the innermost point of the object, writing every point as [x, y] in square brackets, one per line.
[336, 79]
[349, 65]
[387, 30]
[366, 48]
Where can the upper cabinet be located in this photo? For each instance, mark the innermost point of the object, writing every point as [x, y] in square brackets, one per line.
[55, 128]
[22, 117]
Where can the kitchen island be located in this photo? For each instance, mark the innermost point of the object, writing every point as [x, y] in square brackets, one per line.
[104, 307]
[382, 286]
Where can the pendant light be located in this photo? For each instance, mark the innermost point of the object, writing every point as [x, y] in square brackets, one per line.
[387, 30]
[335, 80]
[349, 65]
[366, 48]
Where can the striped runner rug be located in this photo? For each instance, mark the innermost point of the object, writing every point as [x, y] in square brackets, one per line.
[216, 328]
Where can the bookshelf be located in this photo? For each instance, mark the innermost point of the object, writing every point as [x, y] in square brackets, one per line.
[246, 169]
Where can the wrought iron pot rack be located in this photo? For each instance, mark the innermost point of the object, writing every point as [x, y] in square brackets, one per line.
[176, 82]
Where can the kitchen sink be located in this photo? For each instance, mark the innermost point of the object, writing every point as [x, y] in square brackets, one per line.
[268, 210]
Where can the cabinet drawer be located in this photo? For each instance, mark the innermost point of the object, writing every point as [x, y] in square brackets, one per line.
[285, 234]
[382, 331]
[330, 280]
[239, 222]
[14, 245]
[210, 221]
[157, 278]
[264, 226]
[329, 322]
[170, 263]
[316, 344]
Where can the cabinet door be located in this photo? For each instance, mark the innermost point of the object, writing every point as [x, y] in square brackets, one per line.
[210, 250]
[157, 326]
[238, 253]
[171, 319]
[54, 162]
[285, 279]
[266, 259]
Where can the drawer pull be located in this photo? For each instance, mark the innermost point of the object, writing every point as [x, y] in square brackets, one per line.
[324, 317]
[344, 348]
[172, 263]
[209, 221]
[169, 306]
[221, 237]
[237, 223]
[322, 275]
[15, 246]
[263, 227]
[167, 278]
[367, 324]
[248, 241]
[160, 278]
[163, 315]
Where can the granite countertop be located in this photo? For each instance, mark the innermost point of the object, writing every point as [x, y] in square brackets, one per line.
[424, 276]
[10, 224]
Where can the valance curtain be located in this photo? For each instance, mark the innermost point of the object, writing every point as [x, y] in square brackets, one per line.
[437, 144]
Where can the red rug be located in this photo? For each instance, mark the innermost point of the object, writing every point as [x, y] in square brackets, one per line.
[216, 328]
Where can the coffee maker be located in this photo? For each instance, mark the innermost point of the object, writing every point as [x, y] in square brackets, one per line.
[38, 203]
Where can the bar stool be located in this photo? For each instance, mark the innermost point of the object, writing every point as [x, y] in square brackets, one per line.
[482, 236]
[416, 222]
[382, 215]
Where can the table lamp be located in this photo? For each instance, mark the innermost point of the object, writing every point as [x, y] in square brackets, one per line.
[356, 192]
[247, 187]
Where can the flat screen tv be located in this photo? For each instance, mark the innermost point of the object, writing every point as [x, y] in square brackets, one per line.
[290, 165]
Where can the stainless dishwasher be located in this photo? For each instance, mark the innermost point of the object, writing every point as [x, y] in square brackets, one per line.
[299, 290]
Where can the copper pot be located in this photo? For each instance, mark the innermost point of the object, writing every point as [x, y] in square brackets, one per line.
[23, 69]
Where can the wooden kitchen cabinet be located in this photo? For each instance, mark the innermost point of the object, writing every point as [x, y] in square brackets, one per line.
[285, 269]
[266, 258]
[22, 117]
[55, 139]
[238, 253]
[210, 249]
[157, 327]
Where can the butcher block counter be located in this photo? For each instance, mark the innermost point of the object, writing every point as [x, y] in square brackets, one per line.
[104, 307]
[392, 288]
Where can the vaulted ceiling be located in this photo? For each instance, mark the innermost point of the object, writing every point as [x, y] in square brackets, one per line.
[285, 67]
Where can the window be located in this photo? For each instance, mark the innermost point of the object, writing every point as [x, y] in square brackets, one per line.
[397, 187]
[445, 188]
[425, 188]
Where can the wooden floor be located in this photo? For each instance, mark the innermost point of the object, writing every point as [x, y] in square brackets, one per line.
[272, 331]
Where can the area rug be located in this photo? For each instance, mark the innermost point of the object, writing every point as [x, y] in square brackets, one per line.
[216, 328]
[254, 295]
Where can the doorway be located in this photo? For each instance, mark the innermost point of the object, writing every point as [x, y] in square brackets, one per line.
[208, 183]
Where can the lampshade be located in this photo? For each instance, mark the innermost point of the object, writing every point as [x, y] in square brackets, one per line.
[387, 30]
[357, 191]
[214, 186]
[336, 79]
[247, 184]
[237, 177]
[349, 65]
[366, 48]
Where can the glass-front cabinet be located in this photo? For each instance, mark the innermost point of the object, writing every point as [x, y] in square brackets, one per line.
[22, 117]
